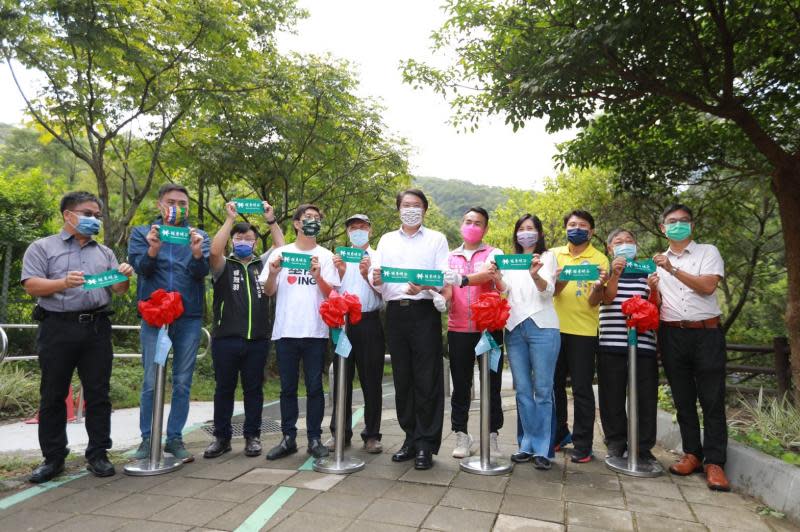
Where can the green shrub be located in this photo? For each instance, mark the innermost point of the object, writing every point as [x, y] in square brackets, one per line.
[19, 391]
[772, 426]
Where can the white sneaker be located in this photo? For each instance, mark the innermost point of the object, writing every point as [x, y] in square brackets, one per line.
[494, 446]
[463, 445]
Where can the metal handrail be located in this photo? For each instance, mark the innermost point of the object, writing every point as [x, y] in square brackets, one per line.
[4, 341]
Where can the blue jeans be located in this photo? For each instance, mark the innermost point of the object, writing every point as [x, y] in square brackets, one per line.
[185, 336]
[312, 352]
[234, 355]
[532, 354]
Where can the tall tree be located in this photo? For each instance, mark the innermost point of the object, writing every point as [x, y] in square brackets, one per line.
[116, 70]
[728, 65]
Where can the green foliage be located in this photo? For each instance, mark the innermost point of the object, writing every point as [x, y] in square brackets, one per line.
[454, 196]
[19, 391]
[770, 425]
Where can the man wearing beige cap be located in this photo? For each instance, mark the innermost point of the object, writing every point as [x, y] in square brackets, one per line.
[367, 336]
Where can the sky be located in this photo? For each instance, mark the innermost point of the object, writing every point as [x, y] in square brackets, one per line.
[376, 35]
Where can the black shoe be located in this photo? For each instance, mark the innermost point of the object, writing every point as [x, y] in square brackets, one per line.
[403, 455]
[100, 466]
[540, 462]
[617, 452]
[252, 446]
[521, 457]
[286, 447]
[316, 449]
[424, 460]
[46, 471]
[217, 448]
[647, 456]
[581, 457]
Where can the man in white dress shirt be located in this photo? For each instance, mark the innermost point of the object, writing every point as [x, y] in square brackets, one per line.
[692, 344]
[414, 328]
[366, 337]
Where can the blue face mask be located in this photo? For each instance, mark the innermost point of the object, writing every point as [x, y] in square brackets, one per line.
[243, 249]
[88, 225]
[625, 250]
[358, 237]
[577, 235]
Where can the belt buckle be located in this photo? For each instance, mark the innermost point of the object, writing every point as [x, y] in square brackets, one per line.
[85, 318]
[405, 303]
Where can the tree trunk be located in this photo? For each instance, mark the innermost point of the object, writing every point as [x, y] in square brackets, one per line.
[786, 183]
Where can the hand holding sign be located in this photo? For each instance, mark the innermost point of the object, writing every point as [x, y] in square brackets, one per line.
[618, 266]
[73, 279]
[230, 210]
[126, 270]
[275, 264]
[536, 265]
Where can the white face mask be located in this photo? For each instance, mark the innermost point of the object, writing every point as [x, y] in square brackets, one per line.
[358, 237]
[411, 216]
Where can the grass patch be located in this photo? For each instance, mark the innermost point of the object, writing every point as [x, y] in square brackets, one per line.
[19, 391]
[770, 425]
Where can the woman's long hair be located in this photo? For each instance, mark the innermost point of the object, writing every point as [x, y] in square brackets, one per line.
[540, 247]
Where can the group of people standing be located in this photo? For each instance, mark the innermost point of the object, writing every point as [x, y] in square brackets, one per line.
[556, 329]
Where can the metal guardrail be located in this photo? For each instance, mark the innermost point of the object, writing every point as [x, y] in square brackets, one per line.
[4, 343]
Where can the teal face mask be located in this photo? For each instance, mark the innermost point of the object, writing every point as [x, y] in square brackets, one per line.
[625, 250]
[678, 230]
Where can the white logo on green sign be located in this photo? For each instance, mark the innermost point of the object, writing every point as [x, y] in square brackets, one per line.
[350, 254]
[299, 261]
[513, 262]
[249, 206]
[174, 235]
[102, 280]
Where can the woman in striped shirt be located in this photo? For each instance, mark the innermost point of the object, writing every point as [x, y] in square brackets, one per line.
[612, 368]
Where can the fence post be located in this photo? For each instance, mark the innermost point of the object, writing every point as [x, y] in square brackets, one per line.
[780, 346]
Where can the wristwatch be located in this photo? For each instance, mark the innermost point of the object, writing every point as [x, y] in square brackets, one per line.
[675, 269]
[273, 222]
[464, 281]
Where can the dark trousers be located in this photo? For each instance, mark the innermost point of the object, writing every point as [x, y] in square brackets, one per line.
[612, 381]
[312, 352]
[234, 356]
[461, 349]
[694, 361]
[414, 337]
[63, 345]
[576, 358]
[369, 349]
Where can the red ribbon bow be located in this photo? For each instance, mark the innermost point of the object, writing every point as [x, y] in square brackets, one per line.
[490, 311]
[334, 309]
[641, 314]
[162, 308]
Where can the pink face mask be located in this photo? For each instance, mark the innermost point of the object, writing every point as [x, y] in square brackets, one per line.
[472, 233]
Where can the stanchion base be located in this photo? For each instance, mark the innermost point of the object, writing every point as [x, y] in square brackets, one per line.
[328, 464]
[497, 466]
[642, 468]
[141, 468]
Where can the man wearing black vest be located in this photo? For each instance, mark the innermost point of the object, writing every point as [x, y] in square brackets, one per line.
[241, 329]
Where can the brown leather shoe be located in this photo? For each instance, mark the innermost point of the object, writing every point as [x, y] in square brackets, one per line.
[687, 465]
[716, 479]
[373, 446]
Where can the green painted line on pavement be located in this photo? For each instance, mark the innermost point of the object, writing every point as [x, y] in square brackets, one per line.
[357, 415]
[268, 508]
[24, 495]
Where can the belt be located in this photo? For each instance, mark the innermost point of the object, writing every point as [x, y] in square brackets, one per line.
[710, 323]
[410, 302]
[370, 314]
[81, 316]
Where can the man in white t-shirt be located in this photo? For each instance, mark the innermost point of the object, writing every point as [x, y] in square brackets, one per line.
[298, 330]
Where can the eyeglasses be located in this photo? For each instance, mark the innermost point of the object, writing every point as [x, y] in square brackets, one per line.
[92, 214]
[312, 218]
[673, 220]
[243, 241]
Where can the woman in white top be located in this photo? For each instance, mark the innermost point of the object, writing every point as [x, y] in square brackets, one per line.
[532, 341]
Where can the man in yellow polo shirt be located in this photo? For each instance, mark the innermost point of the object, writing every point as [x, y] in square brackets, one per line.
[576, 304]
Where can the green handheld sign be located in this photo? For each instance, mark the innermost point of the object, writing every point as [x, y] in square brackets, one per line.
[582, 272]
[513, 262]
[407, 275]
[640, 266]
[350, 254]
[174, 235]
[102, 280]
[296, 261]
[249, 206]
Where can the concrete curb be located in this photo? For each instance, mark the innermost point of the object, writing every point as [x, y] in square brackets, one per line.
[768, 479]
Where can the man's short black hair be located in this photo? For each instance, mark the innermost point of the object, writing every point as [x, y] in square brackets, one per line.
[244, 227]
[301, 210]
[578, 213]
[676, 207]
[479, 210]
[170, 187]
[414, 192]
[73, 199]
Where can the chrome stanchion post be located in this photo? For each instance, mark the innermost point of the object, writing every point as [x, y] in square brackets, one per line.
[485, 464]
[632, 465]
[339, 464]
[157, 463]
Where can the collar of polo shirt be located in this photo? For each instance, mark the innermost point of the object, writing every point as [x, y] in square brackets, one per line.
[688, 249]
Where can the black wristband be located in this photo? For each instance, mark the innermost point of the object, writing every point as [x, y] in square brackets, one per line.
[464, 282]
[273, 222]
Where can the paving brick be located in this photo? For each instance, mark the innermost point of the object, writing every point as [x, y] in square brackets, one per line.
[137, 484]
[153, 526]
[592, 480]
[482, 501]
[370, 526]
[642, 486]
[234, 517]
[365, 486]
[31, 520]
[231, 491]
[456, 520]
[339, 504]
[225, 471]
[597, 517]
[703, 495]
[303, 522]
[654, 523]
[86, 501]
[532, 508]
[267, 476]
[420, 493]
[91, 523]
[313, 481]
[396, 512]
[183, 487]
[732, 518]
[647, 504]
[138, 505]
[493, 483]
[539, 490]
[39, 501]
[596, 497]
[514, 523]
[196, 512]
[383, 471]
[439, 476]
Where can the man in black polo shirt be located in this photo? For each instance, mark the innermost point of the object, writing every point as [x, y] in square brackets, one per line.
[241, 329]
[74, 330]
